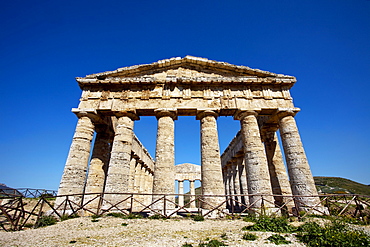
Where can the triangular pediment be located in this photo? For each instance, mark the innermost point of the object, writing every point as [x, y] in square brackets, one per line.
[177, 69]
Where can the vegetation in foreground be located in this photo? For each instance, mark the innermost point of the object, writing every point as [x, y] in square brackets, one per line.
[335, 233]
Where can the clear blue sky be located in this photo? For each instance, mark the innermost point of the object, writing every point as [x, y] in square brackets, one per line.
[44, 45]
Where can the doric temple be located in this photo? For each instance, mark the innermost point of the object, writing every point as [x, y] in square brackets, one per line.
[252, 166]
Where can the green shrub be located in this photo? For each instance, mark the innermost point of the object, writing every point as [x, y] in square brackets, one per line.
[266, 224]
[198, 217]
[117, 215]
[250, 218]
[125, 216]
[124, 224]
[212, 243]
[28, 225]
[332, 234]
[156, 217]
[278, 239]
[250, 236]
[67, 217]
[187, 245]
[95, 216]
[46, 221]
[133, 216]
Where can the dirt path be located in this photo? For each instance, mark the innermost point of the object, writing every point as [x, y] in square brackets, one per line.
[110, 231]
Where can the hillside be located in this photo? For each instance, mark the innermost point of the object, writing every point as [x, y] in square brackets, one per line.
[338, 185]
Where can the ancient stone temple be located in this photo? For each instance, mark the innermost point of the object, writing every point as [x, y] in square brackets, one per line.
[252, 165]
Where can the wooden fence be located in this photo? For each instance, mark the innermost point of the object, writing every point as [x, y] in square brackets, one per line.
[17, 211]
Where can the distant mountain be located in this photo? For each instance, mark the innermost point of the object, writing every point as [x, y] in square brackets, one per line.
[6, 191]
[336, 185]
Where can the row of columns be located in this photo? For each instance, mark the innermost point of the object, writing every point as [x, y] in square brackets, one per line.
[117, 165]
[262, 161]
[113, 168]
[181, 193]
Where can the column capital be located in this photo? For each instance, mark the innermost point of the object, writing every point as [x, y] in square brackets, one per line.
[166, 112]
[204, 113]
[90, 113]
[242, 113]
[131, 113]
[284, 112]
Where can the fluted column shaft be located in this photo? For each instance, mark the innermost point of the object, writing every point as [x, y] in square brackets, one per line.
[236, 182]
[181, 191]
[258, 177]
[118, 176]
[164, 170]
[212, 183]
[192, 194]
[98, 168]
[242, 179]
[132, 173]
[278, 174]
[74, 175]
[298, 168]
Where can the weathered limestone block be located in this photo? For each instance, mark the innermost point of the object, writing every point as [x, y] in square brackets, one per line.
[300, 175]
[278, 175]
[212, 183]
[258, 177]
[74, 175]
[97, 169]
[164, 170]
[118, 176]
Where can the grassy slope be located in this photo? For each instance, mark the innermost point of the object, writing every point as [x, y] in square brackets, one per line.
[340, 185]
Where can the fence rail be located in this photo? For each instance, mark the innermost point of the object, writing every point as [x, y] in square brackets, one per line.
[26, 192]
[17, 211]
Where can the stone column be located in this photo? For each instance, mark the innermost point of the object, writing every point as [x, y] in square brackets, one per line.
[242, 179]
[98, 168]
[150, 187]
[192, 193]
[212, 183]
[231, 184]
[164, 170]
[118, 176]
[258, 177]
[236, 183]
[181, 191]
[137, 178]
[74, 175]
[300, 175]
[226, 183]
[132, 172]
[278, 175]
[142, 182]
